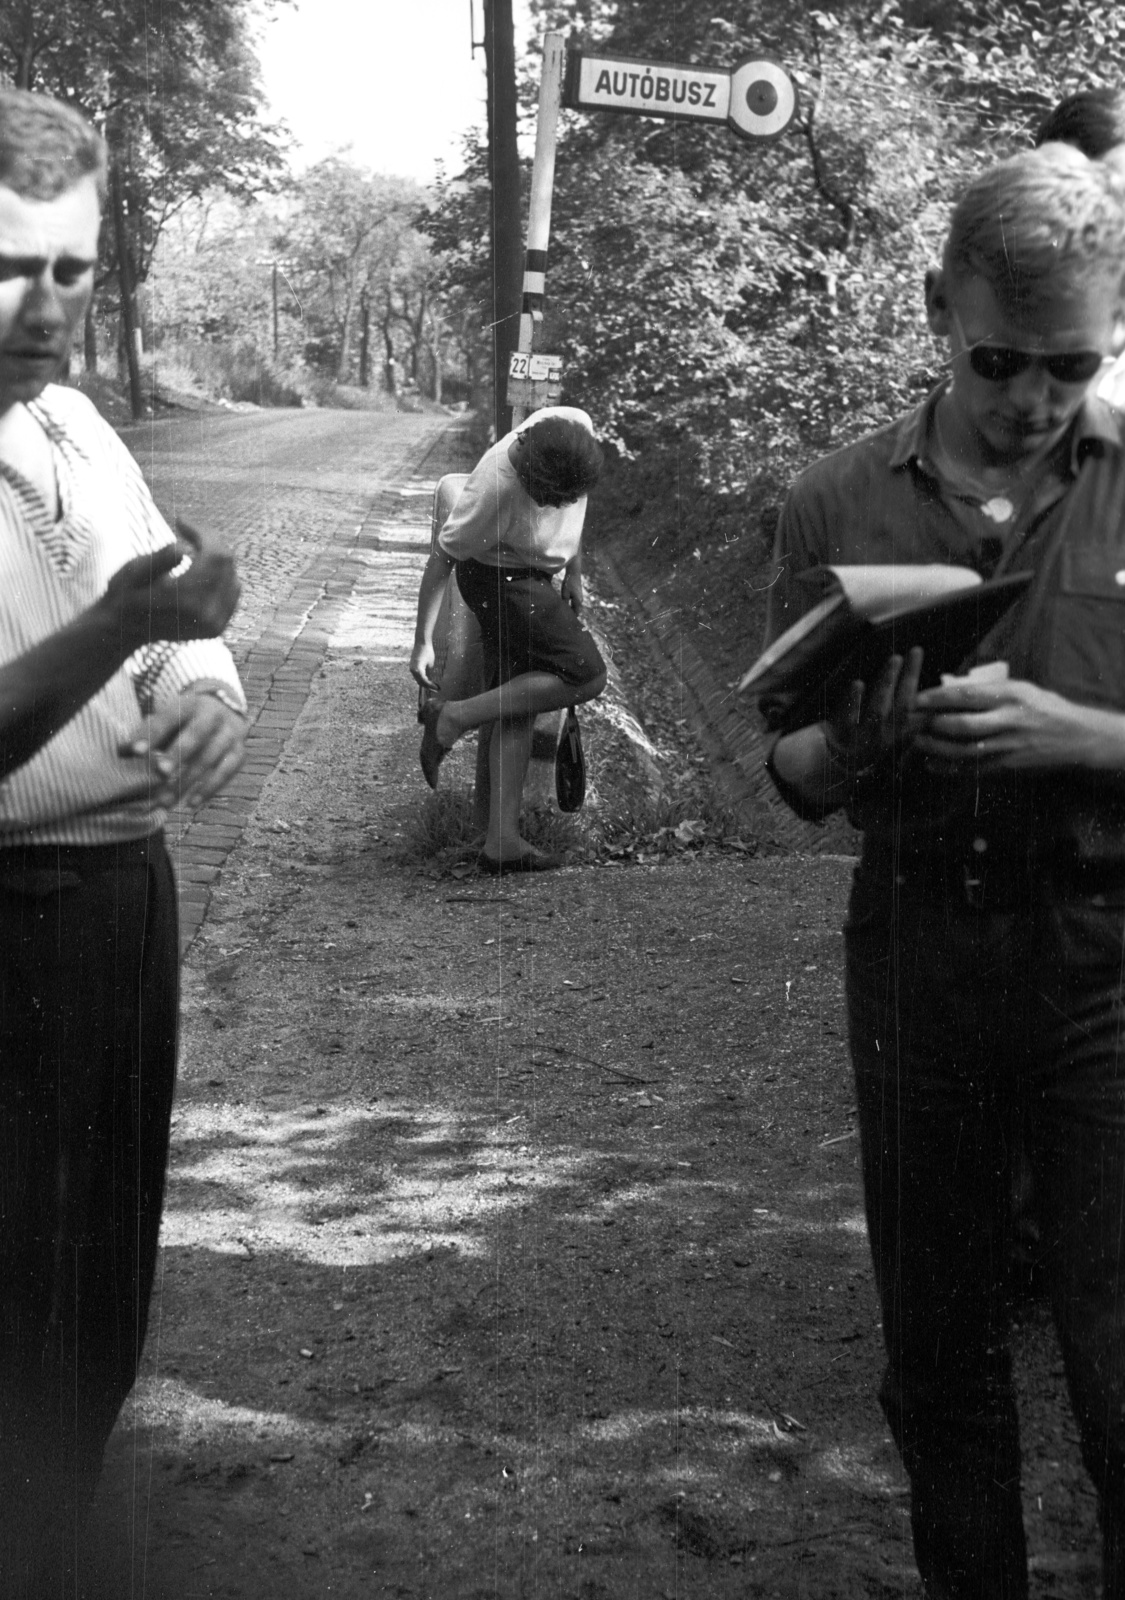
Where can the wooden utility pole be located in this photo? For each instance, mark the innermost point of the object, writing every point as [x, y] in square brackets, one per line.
[504, 182]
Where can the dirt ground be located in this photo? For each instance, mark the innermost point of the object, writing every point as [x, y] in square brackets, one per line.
[514, 1243]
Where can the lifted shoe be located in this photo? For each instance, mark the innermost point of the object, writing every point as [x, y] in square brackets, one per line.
[433, 752]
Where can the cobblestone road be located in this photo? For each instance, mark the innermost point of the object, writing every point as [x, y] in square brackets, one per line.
[312, 503]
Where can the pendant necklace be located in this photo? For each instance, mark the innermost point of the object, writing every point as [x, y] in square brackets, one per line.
[998, 505]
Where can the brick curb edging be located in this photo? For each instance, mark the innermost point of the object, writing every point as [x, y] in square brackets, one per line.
[735, 748]
[277, 671]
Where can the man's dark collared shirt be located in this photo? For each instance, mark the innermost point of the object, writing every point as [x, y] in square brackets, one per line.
[881, 500]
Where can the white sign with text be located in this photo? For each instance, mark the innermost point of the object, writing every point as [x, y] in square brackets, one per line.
[757, 100]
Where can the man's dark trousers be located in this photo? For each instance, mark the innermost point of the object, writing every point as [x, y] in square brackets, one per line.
[89, 972]
[967, 1022]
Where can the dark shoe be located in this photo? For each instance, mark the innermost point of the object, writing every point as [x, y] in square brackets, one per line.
[433, 752]
[526, 861]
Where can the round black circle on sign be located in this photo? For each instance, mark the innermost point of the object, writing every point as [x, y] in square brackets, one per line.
[761, 97]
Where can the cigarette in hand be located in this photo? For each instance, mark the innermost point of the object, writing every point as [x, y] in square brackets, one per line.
[162, 765]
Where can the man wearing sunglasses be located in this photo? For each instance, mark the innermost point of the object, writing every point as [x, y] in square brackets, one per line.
[986, 929]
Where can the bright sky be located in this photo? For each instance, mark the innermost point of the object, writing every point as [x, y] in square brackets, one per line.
[392, 78]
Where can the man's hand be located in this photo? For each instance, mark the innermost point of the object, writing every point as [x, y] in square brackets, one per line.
[145, 602]
[1014, 724]
[422, 665]
[573, 592]
[821, 766]
[885, 719]
[193, 750]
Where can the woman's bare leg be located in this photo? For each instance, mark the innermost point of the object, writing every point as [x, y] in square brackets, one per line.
[482, 781]
[509, 754]
[516, 700]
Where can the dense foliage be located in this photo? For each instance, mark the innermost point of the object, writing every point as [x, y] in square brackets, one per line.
[176, 89]
[729, 309]
[328, 282]
[360, 268]
[174, 86]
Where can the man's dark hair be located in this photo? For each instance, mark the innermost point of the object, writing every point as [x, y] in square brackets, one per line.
[1093, 120]
[46, 147]
[562, 459]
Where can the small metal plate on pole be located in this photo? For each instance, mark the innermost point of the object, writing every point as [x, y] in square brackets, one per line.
[534, 380]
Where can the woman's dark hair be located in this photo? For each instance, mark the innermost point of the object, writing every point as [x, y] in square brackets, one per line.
[562, 459]
[1093, 120]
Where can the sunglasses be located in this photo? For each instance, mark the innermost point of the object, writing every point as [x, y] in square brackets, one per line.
[998, 363]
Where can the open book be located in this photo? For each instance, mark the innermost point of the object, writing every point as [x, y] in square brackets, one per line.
[868, 614]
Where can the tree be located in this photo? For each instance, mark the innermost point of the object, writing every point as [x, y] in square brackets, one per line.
[196, 297]
[175, 89]
[457, 225]
[353, 243]
[741, 307]
[407, 276]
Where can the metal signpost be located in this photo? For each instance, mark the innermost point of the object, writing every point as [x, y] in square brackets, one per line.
[536, 380]
[758, 100]
[533, 388]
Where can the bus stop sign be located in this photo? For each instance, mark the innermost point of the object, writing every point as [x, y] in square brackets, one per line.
[758, 100]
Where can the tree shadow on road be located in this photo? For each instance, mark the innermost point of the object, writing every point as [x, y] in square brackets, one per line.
[395, 1327]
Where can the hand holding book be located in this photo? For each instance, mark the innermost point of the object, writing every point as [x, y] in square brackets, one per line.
[819, 766]
[867, 616]
[994, 721]
[878, 669]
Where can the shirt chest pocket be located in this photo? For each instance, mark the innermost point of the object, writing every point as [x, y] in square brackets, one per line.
[1086, 636]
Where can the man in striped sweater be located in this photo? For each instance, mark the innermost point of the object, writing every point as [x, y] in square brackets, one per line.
[117, 700]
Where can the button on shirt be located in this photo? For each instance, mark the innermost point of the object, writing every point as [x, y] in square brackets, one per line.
[496, 522]
[73, 790]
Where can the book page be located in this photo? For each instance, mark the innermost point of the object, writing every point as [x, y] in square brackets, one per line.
[878, 593]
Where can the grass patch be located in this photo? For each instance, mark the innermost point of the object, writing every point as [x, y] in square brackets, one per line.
[642, 828]
[438, 836]
[438, 830]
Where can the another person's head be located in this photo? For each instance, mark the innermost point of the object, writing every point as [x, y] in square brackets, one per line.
[52, 185]
[1031, 295]
[559, 460]
[1093, 121]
